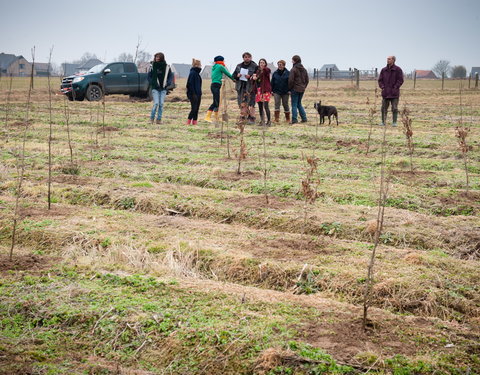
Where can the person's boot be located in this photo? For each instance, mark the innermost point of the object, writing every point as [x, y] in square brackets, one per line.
[277, 117]
[208, 117]
[287, 117]
[395, 116]
[216, 116]
[262, 120]
[269, 120]
[189, 122]
[384, 115]
[194, 122]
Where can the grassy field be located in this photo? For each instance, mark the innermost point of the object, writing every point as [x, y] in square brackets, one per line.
[157, 257]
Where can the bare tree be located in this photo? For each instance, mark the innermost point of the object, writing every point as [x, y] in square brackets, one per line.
[21, 169]
[125, 57]
[143, 56]
[7, 102]
[33, 67]
[49, 195]
[458, 71]
[382, 199]
[137, 48]
[85, 57]
[442, 67]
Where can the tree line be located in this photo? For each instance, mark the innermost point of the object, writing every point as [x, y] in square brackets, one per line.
[443, 67]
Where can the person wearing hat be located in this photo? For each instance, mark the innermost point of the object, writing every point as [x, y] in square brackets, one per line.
[218, 70]
[194, 91]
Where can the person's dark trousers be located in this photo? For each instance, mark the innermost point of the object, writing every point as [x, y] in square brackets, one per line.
[385, 104]
[195, 107]
[215, 88]
[297, 106]
[264, 109]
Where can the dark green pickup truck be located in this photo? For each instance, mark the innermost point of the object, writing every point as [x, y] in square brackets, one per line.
[107, 79]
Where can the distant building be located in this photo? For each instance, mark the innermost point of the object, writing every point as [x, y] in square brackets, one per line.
[206, 72]
[87, 65]
[14, 65]
[69, 69]
[42, 69]
[425, 74]
[333, 67]
[181, 70]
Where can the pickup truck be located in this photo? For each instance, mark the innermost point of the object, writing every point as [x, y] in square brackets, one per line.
[107, 79]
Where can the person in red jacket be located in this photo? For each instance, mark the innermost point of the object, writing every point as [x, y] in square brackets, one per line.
[390, 81]
[261, 78]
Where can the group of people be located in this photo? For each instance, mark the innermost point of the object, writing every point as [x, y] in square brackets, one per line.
[255, 84]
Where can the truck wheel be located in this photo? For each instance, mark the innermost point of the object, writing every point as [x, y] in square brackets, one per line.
[70, 97]
[94, 93]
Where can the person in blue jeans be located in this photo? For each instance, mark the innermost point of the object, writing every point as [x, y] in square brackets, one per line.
[297, 84]
[160, 77]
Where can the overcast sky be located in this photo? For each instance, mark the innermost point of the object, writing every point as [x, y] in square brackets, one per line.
[348, 33]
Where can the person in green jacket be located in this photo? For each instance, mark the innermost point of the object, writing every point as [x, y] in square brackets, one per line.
[218, 70]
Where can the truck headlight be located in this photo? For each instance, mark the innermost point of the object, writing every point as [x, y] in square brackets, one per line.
[78, 79]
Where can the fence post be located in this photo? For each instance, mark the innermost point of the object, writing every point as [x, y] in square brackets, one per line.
[469, 80]
[414, 79]
[476, 80]
[376, 72]
[443, 80]
[357, 78]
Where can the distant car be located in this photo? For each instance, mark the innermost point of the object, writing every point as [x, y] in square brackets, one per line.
[107, 79]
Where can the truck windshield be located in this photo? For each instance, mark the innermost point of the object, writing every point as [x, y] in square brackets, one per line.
[97, 68]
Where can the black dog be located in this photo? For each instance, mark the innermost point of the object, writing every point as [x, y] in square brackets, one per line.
[326, 110]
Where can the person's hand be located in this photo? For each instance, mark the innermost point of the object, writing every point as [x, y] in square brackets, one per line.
[254, 77]
[239, 75]
[248, 76]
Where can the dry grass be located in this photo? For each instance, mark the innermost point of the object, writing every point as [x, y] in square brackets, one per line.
[165, 201]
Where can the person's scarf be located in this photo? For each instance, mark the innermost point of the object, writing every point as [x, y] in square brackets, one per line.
[220, 62]
[158, 73]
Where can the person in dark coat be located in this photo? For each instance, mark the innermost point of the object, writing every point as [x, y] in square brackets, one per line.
[297, 84]
[160, 77]
[244, 85]
[390, 81]
[280, 90]
[194, 91]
